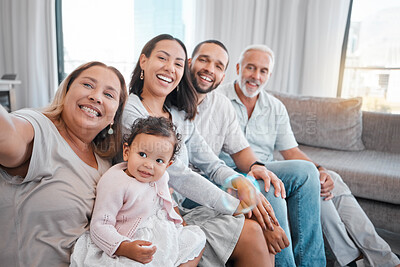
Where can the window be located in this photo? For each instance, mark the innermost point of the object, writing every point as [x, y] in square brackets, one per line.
[372, 66]
[114, 32]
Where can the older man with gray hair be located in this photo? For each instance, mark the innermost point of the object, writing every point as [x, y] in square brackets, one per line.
[265, 122]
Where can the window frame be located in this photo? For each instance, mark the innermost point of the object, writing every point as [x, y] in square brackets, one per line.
[344, 51]
[60, 42]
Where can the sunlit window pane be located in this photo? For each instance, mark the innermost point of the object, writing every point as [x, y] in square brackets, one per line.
[373, 55]
[99, 30]
[114, 32]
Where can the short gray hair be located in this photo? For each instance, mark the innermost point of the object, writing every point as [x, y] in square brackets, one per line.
[262, 48]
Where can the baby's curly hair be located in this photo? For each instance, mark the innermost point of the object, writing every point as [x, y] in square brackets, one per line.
[158, 126]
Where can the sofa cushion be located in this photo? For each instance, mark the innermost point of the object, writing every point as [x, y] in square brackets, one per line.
[324, 121]
[369, 174]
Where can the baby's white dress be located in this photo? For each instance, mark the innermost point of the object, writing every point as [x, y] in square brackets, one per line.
[175, 244]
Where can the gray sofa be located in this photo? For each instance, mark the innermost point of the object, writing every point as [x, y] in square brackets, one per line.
[363, 147]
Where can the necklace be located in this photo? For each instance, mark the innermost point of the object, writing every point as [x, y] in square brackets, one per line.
[164, 109]
[144, 102]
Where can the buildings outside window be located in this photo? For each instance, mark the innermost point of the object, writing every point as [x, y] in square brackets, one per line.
[372, 68]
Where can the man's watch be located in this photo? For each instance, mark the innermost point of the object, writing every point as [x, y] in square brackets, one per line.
[256, 163]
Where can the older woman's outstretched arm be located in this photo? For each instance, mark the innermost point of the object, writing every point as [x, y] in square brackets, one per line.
[16, 140]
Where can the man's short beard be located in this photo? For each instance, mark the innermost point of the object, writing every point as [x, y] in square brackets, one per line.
[243, 87]
[198, 89]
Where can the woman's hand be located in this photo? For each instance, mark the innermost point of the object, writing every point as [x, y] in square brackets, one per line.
[246, 193]
[264, 214]
[138, 250]
[251, 198]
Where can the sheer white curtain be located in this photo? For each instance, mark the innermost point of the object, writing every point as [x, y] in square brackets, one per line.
[306, 36]
[28, 48]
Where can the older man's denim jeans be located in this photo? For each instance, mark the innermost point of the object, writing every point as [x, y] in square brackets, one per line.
[302, 208]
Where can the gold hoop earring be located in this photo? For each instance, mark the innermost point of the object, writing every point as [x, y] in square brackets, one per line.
[142, 75]
[110, 130]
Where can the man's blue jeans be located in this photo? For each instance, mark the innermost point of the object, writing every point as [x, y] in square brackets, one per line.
[302, 209]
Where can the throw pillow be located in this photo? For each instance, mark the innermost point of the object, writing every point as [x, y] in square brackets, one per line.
[325, 121]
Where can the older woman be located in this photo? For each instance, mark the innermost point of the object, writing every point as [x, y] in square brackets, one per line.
[161, 86]
[51, 161]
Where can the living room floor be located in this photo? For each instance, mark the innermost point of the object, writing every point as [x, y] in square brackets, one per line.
[392, 240]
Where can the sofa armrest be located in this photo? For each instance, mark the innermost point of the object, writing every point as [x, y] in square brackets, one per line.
[381, 131]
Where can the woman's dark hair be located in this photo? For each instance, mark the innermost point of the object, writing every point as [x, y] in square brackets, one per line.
[158, 126]
[184, 96]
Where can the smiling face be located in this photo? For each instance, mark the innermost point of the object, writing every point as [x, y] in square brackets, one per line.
[148, 157]
[91, 101]
[207, 67]
[254, 72]
[163, 70]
